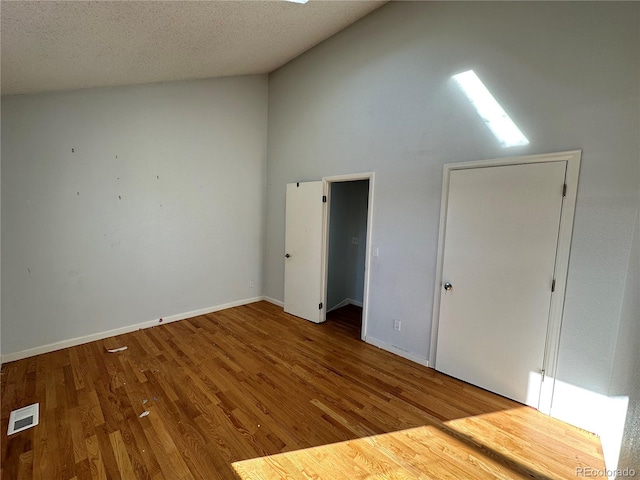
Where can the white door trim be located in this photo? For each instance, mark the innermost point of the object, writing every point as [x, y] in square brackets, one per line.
[325, 242]
[550, 362]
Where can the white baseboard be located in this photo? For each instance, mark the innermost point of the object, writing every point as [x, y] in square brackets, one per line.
[398, 351]
[274, 301]
[72, 342]
[344, 303]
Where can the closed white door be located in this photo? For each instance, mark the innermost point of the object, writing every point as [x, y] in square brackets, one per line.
[303, 250]
[500, 245]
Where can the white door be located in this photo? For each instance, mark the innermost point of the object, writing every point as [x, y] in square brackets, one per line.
[501, 237]
[303, 250]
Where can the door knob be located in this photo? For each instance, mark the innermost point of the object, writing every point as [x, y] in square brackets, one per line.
[287, 256]
[448, 287]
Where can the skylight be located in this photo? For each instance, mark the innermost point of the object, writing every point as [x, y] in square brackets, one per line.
[500, 124]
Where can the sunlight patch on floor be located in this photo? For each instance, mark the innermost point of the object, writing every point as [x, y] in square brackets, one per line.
[515, 443]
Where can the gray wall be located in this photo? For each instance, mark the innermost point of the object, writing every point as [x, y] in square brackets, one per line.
[348, 219]
[157, 211]
[626, 376]
[378, 97]
[0, 246]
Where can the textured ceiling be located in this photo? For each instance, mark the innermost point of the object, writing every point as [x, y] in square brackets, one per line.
[61, 45]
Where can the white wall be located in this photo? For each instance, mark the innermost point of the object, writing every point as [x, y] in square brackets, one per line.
[378, 97]
[124, 205]
[0, 247]
[628, 344]
[626, 375]
[348, 219]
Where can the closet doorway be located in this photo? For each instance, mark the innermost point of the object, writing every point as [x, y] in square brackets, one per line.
[347, 245]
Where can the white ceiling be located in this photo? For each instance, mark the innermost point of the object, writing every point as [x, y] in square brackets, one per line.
[62, 45]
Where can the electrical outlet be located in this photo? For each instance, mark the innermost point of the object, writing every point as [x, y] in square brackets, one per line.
[252, 284]
[397, 324]
[354, 240]
[375, 251]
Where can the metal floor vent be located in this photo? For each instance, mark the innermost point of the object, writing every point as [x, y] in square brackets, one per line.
[23, 418]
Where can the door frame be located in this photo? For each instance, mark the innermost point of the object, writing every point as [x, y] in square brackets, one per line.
[550, 361]
[325, 242]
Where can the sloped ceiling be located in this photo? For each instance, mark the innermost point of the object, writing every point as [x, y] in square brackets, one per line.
[62, 45]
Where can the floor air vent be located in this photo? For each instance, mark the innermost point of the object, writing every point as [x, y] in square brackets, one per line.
[23, 418]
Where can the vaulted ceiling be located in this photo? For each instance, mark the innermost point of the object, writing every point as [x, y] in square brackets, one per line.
[62, 45]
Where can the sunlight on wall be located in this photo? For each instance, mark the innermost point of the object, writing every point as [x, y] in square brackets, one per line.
[594, 412]
[491, 112]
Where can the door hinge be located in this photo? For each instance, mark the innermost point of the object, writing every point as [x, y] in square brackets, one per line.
[564, 190]
[553, 285]
[542, 372]
[320, 306]
[324, 199]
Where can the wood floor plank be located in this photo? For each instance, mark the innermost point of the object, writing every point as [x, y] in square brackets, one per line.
[107, 455]
[121, 455]
[18, 446]
[25, 467]
[65, 450]
[83, 468]
[94, 455]
[169, 458]
[253, 393]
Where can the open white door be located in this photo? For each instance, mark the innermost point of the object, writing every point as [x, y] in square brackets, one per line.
[303, 267]
[500, 242]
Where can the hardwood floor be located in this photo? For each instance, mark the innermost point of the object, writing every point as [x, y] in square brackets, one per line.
[225, 390]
